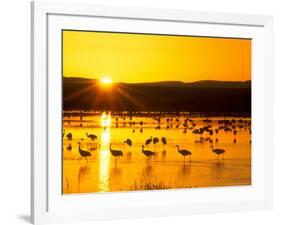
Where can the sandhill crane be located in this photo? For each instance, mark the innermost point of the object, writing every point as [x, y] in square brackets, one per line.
[155, 140]
[158, 127]
[69, 147]
[148, 153]
[91, 136]
[83, 153]
[69, 136]
[128, 141]
[218, 151]
[115, 153]
[148, 141]
[184, 152]
[164, 141]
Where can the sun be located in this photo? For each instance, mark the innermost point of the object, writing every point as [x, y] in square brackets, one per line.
[106, 80]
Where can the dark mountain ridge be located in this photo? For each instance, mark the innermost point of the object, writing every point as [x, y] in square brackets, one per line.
[200, 83]
[168, 96]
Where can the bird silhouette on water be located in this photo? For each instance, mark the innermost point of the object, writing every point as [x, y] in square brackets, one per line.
[115, 153]
[92, 136]
[164, 142]
[184, 153]
[69, 147]
[83, 153]
[147, 153]
[148, 141]
[69, 136]
[218, 151]
[129, 142]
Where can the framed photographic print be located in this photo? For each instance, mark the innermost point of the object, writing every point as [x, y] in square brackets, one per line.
[148, 112]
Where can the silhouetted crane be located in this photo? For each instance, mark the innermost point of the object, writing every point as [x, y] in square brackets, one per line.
[91, 136]
[164, 141]
[148, 141]
[69, 136]
[128, 141]
[147, 153]
[83, 153]
[115, 153]
[69, 147]
[155, 140]
[218, 151]
[184, 153]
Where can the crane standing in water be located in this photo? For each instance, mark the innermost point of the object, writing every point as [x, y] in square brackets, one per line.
[147, 152]
[218, 151]
[129, 142]
[82, 152]
[184, 153]
[69, 136]
[148, 141]
[92, 136]
[115, 153]
[164, 142]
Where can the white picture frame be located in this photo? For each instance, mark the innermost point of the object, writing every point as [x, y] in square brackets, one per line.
[48, 206]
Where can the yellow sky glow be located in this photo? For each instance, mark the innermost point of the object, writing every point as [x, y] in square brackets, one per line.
[134, 58]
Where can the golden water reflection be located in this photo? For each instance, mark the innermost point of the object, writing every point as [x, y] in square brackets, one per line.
[103, 172]
[104, 159]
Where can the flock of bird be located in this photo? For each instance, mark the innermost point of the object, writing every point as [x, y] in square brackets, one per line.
[147, 152]
[188, 124]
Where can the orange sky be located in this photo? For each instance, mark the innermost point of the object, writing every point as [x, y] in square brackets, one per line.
[134, 58]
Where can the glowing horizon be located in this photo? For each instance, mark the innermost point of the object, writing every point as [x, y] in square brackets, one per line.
[137, 58]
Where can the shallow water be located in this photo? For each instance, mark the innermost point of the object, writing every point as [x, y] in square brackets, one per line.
[102, 172]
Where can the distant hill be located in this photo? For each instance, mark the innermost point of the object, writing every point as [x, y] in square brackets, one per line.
[199, 96]
[197, 84]
[202, 84]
